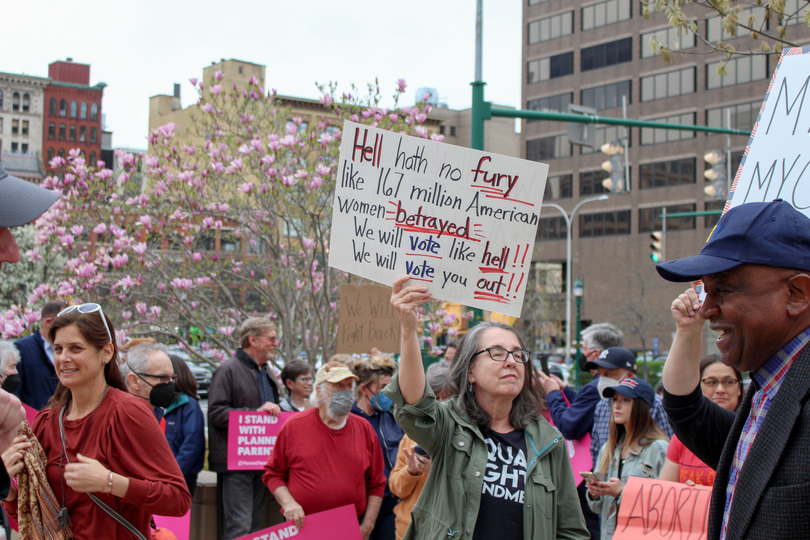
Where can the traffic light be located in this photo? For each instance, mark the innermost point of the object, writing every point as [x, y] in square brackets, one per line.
[657, 246]
[716, 175]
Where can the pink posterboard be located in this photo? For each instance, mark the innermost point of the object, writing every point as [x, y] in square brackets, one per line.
[336, 524]
[251, 438]
[180, 526]
[579, 451]
[659, 509]
[30, 413]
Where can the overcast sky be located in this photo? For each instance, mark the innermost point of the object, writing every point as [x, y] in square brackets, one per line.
[141, 48]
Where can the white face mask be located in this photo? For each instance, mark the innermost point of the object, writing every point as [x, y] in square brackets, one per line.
[606, 382]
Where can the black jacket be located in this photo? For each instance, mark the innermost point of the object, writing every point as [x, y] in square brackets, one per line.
[772, 493]
[37, 374]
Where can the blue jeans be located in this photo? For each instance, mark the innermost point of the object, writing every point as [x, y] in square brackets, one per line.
[244, 496]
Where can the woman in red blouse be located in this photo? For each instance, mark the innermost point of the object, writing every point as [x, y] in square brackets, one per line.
[723, 385]
[98, 438]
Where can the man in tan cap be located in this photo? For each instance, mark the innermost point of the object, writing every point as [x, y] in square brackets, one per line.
[326, 458]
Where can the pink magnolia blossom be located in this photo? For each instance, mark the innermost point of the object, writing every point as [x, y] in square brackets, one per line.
[216, 89]
[196, 256]
[193, 81]
[323, 170]
[227, 330]
[146, 221]
[401, 85]
[219, 75]
[299, 284]
[207, 108]
[139, 248]
[140, 307]
[182, 283]
[101, 228]
[308, 243]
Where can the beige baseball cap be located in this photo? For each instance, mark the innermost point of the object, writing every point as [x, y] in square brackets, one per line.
[333, 372]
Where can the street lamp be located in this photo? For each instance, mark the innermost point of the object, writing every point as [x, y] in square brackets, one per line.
[579, 290]
[569, 218]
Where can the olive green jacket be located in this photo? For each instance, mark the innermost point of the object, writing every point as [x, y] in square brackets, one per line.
[448, 505]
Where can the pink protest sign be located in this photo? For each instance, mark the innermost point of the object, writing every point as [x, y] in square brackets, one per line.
[251, 438]
[579, 451]
[336, 524]
[30, 413]
[180, 526]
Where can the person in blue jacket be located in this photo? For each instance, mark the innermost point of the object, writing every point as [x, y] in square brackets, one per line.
[185, 424]
[37, 374]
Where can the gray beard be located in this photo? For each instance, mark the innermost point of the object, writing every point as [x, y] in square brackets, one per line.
[340, 419]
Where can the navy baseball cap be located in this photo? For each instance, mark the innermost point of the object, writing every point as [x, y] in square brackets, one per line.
[632, 388]
[769, 234]
[613, 358]
[22, 202]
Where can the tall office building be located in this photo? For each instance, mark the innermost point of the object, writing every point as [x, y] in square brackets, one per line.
[594, 54]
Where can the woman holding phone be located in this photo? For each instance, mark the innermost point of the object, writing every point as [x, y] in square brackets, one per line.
[636, 447]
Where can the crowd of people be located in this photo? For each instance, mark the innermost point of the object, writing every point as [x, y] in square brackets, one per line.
[472, 447]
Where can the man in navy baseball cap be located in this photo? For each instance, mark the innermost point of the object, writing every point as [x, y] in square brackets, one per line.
[614, 358]
[21, 202]
[755, 269]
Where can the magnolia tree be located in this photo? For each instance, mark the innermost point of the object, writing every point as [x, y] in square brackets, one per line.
[233, 225]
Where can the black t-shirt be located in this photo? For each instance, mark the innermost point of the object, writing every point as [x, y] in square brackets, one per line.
[501, 512]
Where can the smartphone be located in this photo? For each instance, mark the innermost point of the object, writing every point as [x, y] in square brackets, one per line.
[588, 475]
[421, 451]
[701, 292]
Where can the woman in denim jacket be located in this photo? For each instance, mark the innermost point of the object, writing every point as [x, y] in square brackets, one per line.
[636, 447]
[498, 469]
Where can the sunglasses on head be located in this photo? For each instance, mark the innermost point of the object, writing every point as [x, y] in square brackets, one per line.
[88, 308]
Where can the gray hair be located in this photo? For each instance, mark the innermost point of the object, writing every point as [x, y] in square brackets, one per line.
[137, 355]
[438, 375]
[254, 326]
[603, 336]
[7, 352]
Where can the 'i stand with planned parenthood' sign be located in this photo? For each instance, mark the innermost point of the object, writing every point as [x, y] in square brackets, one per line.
[461, 221]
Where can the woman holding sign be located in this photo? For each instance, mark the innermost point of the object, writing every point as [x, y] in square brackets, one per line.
[498, 469]
[636, 447]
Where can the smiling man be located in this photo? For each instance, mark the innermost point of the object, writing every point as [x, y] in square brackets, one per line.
[756, 271]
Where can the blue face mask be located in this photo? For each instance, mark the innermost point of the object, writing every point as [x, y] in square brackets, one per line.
[381, 402]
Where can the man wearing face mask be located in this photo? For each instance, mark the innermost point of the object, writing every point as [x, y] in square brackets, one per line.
[149, 374]
[374, 373]
[615, 365]
[326, 457]
[9, 357]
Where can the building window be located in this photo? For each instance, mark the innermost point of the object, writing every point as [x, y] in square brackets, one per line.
[93, 111]
[26, 106]
[558, 103]
[74, 109]
[715, 31]
[676, 38]
[82, 133]
[649, 219]
[51, 130]
[590, 183]
[92, 160]
[559, 187]
[72, 131]
[52, 107]
[25, 128]
[83, 111]
[606, 96]
[15, 148]
[15, 101]
[552, 228]
[93, 135]
[553, 147]
[24, 148]
[552, 27]
[535, 2]
[794, 6]
[1, 100]
[666, 173]
[658, 136]
[743, 115]
[441, 129]
[61, 153]
[740, 70]
[605, 135]
[62, 132]
[604, 224]
[604, 13]
[63, 107]
[607, 54]
[669, 84]
[50, 154]
[711, 221]
[551, 67]
[452, 131]
[15, 126]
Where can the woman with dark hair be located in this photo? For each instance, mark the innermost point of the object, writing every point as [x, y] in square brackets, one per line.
[98, 438]
[296, 376]
[636, 447]
[185, 424]
[723, 385]
[498, 469]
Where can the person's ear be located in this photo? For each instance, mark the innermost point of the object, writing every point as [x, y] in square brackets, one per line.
[798, 300]
[289, 383]
[132, 381]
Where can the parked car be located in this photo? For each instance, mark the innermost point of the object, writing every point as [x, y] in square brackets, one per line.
[202, 371]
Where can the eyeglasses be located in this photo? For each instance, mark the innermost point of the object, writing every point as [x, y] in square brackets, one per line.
[727, 383]
[88, 308]
[304, 379]
[499, 354]
[162, 378]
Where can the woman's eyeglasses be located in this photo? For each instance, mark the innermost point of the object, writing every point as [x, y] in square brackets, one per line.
[89, 308]
[727, 383]
[499, 354]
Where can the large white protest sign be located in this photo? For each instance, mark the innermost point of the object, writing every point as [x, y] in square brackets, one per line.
[459, 220]
[776, 163]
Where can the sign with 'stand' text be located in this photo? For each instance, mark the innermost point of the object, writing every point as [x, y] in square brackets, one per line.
[252, 438]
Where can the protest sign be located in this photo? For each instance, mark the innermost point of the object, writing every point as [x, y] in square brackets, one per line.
[336, 524]
[659, 509]
[463, 222]
[251, 438]
[367, 319]
[776, 164]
